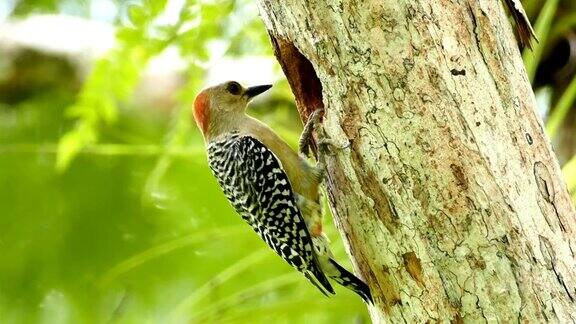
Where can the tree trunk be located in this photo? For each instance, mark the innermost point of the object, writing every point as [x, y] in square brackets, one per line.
[449, 196]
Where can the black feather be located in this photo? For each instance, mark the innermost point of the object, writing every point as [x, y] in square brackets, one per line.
[255, 183]
[350, 281]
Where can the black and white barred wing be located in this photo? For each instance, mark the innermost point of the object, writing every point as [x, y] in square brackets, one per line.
[254, 182]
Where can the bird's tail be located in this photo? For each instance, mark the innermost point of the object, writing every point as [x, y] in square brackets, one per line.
[318, 279]
[350, 281]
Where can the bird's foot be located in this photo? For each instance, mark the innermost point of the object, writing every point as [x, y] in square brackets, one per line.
[330, 147]
[306, 136]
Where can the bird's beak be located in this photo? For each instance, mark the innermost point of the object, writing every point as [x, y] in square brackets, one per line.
[256, 90]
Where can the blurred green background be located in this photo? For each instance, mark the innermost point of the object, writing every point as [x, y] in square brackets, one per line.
[108, 212]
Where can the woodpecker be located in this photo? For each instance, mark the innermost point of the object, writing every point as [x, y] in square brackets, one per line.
[273, 188]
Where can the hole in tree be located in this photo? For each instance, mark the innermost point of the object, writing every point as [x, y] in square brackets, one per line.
[301, 76]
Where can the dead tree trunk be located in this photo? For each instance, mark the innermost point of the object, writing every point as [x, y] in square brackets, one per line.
[449, 197]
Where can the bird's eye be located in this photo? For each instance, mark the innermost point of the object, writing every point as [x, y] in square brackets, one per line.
[234, 88]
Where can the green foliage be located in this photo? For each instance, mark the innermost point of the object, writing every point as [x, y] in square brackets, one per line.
[569, 171]
[560, 112]
[26, 7]
[555, 19]
[542, 28]
[130, 226]
[114, 77]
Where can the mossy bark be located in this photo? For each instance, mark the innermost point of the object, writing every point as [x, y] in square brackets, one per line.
[449, 196]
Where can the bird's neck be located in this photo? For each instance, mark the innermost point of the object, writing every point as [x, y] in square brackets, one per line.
[225, 125]
[245, 125]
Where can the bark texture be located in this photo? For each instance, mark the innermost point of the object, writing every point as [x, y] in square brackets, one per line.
[449, 197]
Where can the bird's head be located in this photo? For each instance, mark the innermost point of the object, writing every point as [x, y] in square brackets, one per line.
[218, 107]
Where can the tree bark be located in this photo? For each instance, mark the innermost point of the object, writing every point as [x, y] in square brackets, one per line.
[449, 196]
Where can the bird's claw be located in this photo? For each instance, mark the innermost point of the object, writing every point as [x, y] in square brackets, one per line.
[306, 137]
[326, 146]
[330, 147]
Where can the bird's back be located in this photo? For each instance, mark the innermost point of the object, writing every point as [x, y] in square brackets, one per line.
[255, 183]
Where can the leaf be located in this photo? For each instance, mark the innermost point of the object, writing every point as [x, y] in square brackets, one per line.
[561, 109]
[165, 248]
[569, 171]
[71, 143]
[225, 275]
[240, 296]
[542, 27]
[137, 15]
[155, 6]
